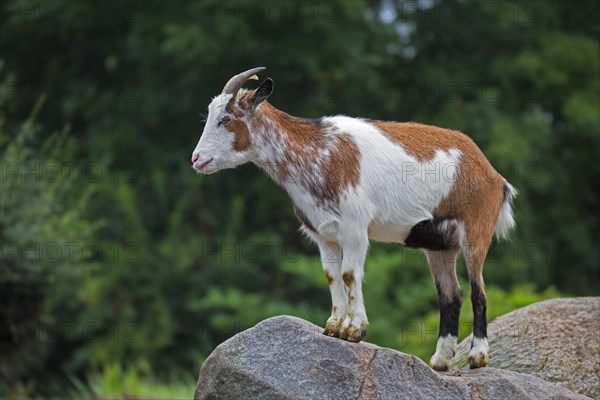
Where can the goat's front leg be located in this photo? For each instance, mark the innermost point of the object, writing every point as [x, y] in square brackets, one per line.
[331, 258]
[354, 248]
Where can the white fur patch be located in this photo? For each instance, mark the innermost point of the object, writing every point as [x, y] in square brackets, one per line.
[506, 220]
[396, 189]
[478, 356]
[480, 346]
[444, 352]
[216, 143]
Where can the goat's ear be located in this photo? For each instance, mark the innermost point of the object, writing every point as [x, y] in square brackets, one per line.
[262, 92]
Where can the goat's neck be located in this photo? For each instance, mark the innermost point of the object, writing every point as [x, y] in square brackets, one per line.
[285, 145]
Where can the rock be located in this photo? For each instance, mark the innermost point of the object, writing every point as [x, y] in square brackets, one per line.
[557, 340]
[289, 358]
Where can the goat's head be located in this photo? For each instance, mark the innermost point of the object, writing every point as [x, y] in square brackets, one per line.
[226, 141]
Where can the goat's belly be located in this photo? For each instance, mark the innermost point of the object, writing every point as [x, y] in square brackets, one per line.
[388, 233]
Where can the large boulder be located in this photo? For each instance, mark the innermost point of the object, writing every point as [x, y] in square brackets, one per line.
[289, 358]
[557, 340]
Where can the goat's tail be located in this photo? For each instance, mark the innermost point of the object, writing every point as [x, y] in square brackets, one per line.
[506, 220]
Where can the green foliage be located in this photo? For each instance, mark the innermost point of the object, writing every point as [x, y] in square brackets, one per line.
[121, 269]
[43, 208]
[114, 382]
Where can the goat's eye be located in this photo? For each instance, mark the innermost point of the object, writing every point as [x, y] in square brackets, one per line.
[223, 120]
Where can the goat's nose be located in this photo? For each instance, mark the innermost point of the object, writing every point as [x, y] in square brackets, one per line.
[195, 157]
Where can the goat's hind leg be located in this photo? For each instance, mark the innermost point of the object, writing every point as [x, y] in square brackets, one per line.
[475, 257]
[443, 269]
[475, 248]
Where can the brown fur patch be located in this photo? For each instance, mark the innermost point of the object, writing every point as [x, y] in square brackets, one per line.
[475, 199]
[423, 140]
[343, 168]
[306, 141]
[348, 278]
[236, 126]
[477, 194]
[329, 278]
[241, 139]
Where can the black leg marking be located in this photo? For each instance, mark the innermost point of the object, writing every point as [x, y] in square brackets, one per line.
[479, 310]
[449, 313]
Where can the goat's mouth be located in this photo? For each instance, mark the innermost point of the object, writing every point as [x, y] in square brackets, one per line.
[203, 165]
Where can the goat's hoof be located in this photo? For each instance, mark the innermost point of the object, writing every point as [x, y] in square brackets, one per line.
[439, 366]
[352, 333]
[478, 360]
[439, 363]
[478, 356]
[444, 353]
[356, 334]
[331, 330]
[332, 327]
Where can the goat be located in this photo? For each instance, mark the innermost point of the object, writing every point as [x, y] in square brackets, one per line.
[352, 180]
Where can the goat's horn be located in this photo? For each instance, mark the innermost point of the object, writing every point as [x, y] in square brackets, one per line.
[235, 83]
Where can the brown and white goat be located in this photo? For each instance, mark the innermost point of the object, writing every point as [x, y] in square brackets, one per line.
[352, 180]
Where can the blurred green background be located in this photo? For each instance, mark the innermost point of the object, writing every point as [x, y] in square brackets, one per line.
[121, 269]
